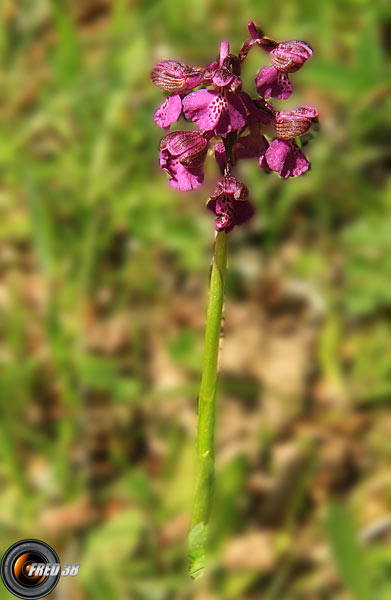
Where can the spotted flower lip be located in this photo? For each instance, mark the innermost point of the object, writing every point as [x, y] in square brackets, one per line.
[286, 158]
[271, 82]
[182, 154]
[169, 111]
[175, 77]
[218, 111]
[229, 203]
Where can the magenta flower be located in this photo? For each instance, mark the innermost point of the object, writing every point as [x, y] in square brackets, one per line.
[218, 110]
[245, 128]
[182, 154]
[286, 57]
[229, 203]
[177, 78]
[284, 155]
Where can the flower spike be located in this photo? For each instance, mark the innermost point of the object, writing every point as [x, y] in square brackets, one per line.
[245, 127]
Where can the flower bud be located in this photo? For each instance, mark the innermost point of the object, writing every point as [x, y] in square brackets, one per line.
[230, 186]
[189, 147]
[288, 57]
[175, 77]
[229, 203]
[292, 124]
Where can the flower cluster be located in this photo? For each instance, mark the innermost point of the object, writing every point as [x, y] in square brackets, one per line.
[247, 127]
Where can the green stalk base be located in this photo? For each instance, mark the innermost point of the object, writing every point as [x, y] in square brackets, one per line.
[206, 411]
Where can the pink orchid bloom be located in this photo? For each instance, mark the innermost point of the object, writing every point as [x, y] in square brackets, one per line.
[229, 203]
[283, 155]
[286, 57]
[218, 110]
[247, 128]
[182, 154]
[177, 78]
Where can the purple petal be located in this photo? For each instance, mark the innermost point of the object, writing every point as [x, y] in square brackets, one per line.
[306, 112]
[222, 78]
[220, 155]
[183, 178]
[286, 158]
[204, 108]
[194, 80]
[271, 82]
[251, 146]
[243, 211]
[263, 114]
[222, 112]
[253, 31]
[224, 51]
[233, 115]
[230, 213]
[169, 111]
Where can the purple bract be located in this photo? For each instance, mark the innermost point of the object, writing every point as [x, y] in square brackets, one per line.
[247, 127]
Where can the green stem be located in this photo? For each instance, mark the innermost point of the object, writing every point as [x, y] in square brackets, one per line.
[207, 396]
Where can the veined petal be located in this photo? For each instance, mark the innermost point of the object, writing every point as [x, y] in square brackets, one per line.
[179, 143]
[290, 56]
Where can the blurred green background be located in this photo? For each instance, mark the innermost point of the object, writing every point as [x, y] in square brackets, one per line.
[103, 288]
